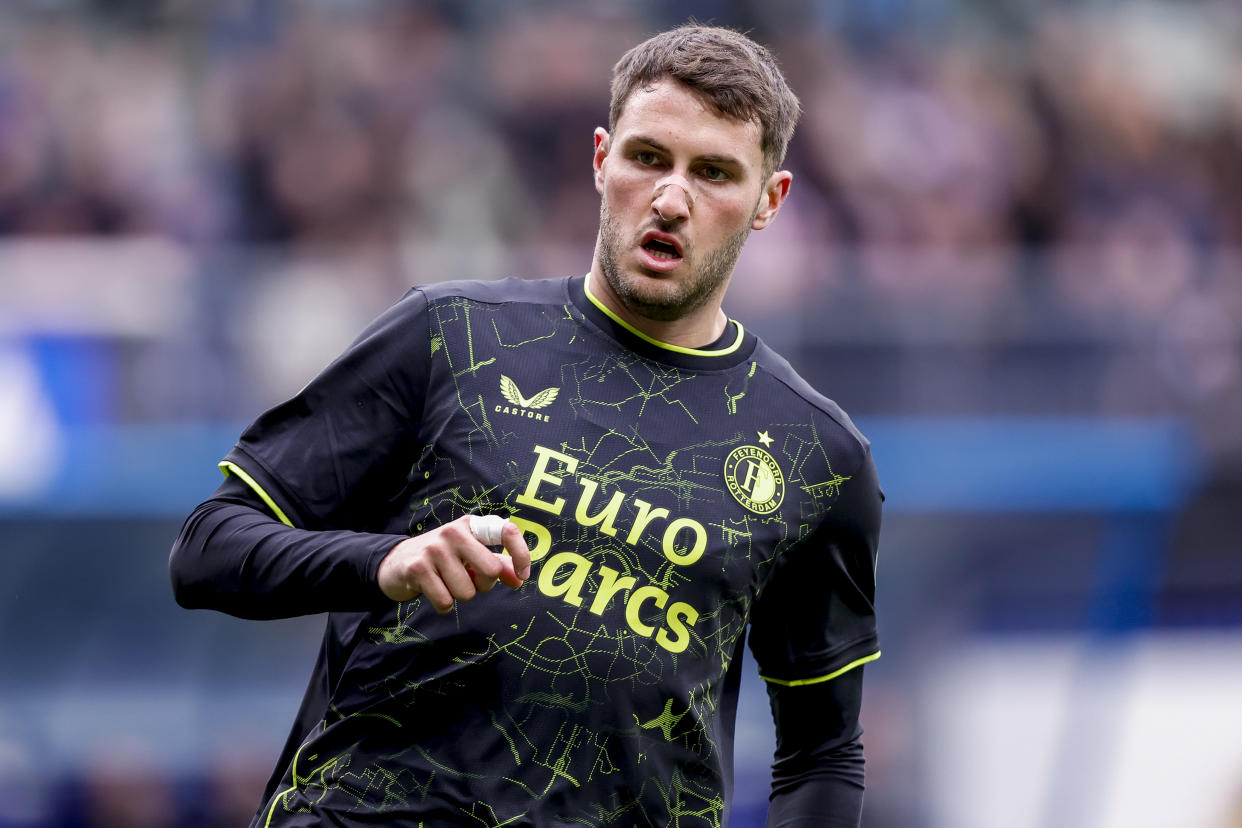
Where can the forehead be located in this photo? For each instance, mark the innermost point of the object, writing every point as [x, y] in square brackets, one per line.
[672, 112]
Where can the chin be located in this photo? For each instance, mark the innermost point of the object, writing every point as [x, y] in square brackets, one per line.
[662, 301]
[659, 312]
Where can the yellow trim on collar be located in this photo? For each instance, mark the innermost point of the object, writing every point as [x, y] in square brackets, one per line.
[228, 466]
[820, 679]
[737, 343]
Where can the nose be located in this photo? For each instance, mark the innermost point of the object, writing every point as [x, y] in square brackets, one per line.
[672, 199]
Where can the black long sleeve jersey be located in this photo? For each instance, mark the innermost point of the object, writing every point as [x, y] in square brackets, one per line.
[672, 498]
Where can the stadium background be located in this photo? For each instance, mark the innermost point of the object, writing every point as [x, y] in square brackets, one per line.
[1011, 252]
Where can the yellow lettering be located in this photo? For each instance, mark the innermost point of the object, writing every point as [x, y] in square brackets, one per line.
[696, 550]
[543, 538]
[610, 585]
[572, 585]
[606, 516]
[634, 606]
[541, 475]
[645, 515]
[678, 612]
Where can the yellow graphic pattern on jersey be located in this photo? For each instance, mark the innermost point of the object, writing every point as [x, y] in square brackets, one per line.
[618, 533]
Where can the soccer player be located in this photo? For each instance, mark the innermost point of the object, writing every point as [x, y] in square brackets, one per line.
[646, 478]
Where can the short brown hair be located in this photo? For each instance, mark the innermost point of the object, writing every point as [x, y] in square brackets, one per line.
[735, 74]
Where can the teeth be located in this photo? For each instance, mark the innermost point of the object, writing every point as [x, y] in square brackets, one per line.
[661, 250]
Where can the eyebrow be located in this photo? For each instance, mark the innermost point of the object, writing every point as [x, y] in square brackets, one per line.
[728, 160]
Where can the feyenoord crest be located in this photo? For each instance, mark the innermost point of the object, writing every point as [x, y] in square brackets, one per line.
[754, 479]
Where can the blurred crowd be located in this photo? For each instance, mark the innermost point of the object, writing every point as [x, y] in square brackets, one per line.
[1063, 170]
[1106, 133]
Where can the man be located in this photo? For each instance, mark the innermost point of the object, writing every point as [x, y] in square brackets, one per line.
[666, 478]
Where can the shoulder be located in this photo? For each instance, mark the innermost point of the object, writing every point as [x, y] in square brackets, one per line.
[499, 291]
[779, 369]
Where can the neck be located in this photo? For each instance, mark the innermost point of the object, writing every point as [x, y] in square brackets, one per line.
[694, 330]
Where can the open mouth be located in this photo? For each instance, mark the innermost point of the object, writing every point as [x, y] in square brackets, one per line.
[661, 246]
[661, 250]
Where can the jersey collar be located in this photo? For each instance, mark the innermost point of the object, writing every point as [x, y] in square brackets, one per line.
[733, 347]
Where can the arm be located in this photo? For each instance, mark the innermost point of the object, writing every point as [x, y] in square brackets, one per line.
[817, 778]
[300, 524]
[233, 556]
[812, 629]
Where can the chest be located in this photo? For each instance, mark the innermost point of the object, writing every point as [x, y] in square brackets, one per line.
[668, 476]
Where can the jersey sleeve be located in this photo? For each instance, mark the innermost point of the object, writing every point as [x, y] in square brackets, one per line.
[336, 454]
[815, 617]
[297, 527]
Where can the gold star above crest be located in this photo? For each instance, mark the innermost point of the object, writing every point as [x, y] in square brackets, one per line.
[765, 438]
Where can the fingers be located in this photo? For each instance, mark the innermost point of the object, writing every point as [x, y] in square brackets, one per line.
[487, 528]
[493, 530]
[519, 553]
[449, 564]
[507, 575]
[425, 565]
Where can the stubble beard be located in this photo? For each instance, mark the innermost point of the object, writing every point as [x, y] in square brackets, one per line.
[684, 295]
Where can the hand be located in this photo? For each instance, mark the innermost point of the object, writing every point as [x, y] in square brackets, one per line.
[448, 564]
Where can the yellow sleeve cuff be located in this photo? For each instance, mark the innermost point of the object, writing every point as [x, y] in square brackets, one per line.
[821, 679]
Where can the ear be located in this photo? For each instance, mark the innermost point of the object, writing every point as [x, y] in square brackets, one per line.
[771, 199]
[601, 152]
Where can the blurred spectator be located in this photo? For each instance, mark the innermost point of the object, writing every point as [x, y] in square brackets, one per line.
[123, 788]
[322, 122]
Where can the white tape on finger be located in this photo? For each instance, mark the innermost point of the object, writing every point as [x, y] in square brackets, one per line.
[487, 528]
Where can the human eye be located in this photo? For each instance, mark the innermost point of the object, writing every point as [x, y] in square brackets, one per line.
[647, 158]
[714, 173]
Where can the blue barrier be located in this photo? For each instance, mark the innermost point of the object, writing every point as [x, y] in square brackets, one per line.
[926, 465]
[1031, 464]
